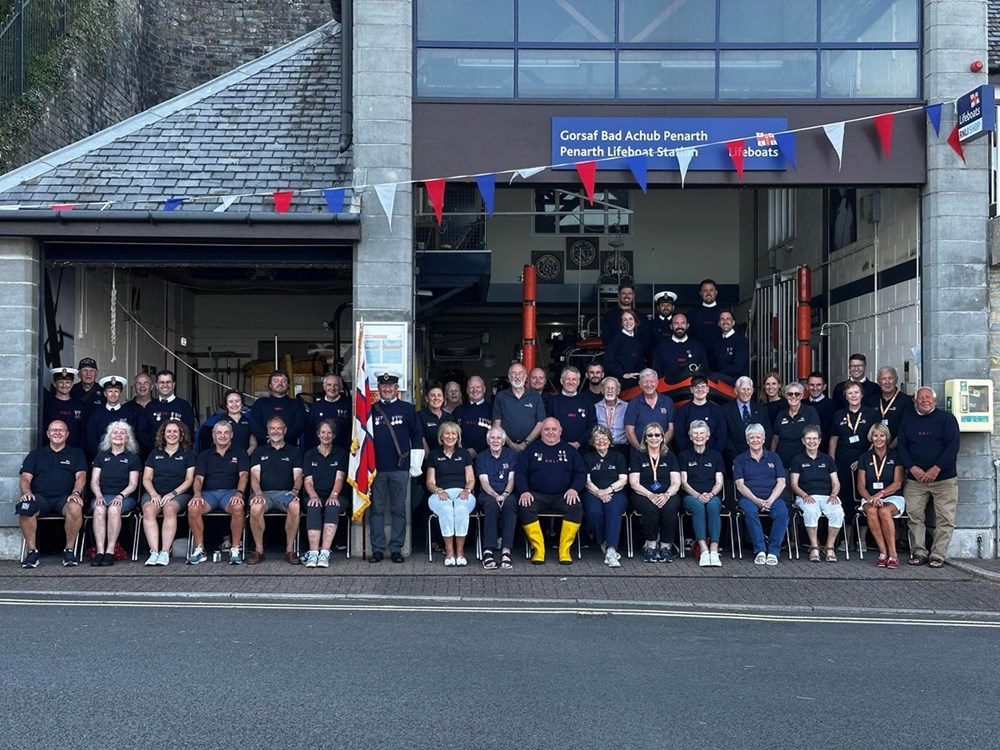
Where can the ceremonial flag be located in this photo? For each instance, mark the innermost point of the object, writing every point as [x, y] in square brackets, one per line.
[361, 468]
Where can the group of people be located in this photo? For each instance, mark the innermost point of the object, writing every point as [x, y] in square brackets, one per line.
[581, 454]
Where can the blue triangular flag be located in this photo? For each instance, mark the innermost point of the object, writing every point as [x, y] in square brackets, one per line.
[786, 144]
[934, 115]
[487, 187]
[334, 200]
[638, 166]
[173, 204]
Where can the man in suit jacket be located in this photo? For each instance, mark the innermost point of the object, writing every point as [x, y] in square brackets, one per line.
[736, 422]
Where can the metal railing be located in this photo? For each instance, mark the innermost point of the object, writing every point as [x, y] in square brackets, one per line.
[30, 29]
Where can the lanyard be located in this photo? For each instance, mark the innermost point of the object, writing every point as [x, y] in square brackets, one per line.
[884, 409]
[655, 463]
[878, 467]
[857, 422]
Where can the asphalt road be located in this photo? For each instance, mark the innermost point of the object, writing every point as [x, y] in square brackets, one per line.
[287, 675]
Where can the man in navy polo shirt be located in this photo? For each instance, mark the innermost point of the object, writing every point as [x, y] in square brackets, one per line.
[399, 455]
[52, 478]
[519, 410]
[549, 478]
[647, 407]
[278, 404]
[276, 482]
[220, 482]
[475, 417]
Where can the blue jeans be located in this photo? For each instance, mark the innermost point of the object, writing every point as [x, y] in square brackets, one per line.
[705, 517]
[605, 519]
[779, 524]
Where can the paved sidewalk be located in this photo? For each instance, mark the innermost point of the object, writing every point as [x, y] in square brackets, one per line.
[853, 585]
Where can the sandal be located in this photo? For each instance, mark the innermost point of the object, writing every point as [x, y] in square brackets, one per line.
[814, 554]
[917, 560]
[936, 563]
[488, 562]
[831, 554]
[505, 562]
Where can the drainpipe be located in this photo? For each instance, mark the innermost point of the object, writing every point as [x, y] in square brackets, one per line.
[343, 12]
[996, 508]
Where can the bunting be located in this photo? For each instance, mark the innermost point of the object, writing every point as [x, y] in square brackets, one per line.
[334, 200]
[487, 187]
[386, 193]
[786, 145]
[638, 166]
[684, 156]
[282, 201]
[934, 115]
[735, 149]
[588, 172]
[225, 203]
[835, 134]
[955, 142]
[883, 124]
[435, 192]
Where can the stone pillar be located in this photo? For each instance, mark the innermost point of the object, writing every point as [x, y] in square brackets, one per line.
[383, 143]
[19, 322]
[954, 252]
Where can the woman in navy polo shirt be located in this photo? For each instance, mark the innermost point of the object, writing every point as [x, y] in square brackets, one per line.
[450, 480]
[113, 480]
[603, 495]
[655, 479]
[701, 481]
[167, 481]
[324, 469]
[880, 483]
[814, 482]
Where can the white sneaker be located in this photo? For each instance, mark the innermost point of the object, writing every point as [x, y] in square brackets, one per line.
[714, 560]
[705, 561]
[154, 559]
[449, 562]
[461, 562]
[324, 559]
[163, 559]
[312, 559]
[761, 559]
[611, 559]
[771, 560]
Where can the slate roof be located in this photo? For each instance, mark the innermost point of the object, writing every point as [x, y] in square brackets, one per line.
[271, 124]
[993, 34]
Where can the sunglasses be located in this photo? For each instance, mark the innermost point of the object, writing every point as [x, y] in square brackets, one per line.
[655, 434]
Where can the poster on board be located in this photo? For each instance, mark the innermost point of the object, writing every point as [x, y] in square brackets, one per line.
[386, 350]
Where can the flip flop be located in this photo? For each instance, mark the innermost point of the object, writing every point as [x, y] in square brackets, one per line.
[936, 563]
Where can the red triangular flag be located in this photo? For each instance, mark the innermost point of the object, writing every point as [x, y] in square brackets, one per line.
[62, 206]
[736, 154]
[956, 144]
[883, 124]
[435, 191]
[282, 200]
[587, 171]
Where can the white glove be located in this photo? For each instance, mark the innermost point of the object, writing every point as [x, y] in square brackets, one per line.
[416, 461]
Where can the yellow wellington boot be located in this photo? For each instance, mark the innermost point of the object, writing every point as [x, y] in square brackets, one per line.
[566, 538]
[534, 533]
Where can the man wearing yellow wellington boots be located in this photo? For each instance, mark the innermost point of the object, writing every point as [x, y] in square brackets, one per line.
[549, 477]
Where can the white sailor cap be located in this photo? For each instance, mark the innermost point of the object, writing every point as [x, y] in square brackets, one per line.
[113, 381]
[660, 296]
[63, 373]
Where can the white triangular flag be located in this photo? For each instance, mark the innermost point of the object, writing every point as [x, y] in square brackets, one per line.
[10, 208]
[387, 197]
[835, 134]
[526, 173]
[226, 202]
[684, 156]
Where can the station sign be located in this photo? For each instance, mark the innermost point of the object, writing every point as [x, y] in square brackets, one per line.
[977, 114]
[617, 139]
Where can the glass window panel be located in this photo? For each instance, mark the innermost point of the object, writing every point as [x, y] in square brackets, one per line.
[567, 21]
[767, 74]
[655, 74]
[869, 74]
[652, 21]
[478, 73]
[776, 21]
[869, 21]
[465, 20]
[559, 74]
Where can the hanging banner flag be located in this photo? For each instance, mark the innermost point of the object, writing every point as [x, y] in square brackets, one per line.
[639, 165]
[612, 141]
[934, 115]
[435, 191]
[835, 134]
[387, 197]
[786, 144]
[527, 172]
[173, 204]
[282, 201]
[684, 157]
[225, 202]
[587, 170]
[956, 143]
[883, 124]
[735, 149]
[487, 188]
[334, 200]
[361, 467]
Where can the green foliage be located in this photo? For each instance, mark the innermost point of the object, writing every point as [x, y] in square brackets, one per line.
[92, 30]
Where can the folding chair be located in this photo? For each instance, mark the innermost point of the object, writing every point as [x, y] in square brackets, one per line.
[77, 547]
[579, 542]
[724, 513]
[218, 514]
[903, 520]
[766, 514]
[479, 535]
[135, 515]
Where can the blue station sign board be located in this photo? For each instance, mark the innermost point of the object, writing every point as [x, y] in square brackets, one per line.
[611, 141]
[977, 114]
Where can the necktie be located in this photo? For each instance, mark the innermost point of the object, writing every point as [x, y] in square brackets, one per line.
[746, 414]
